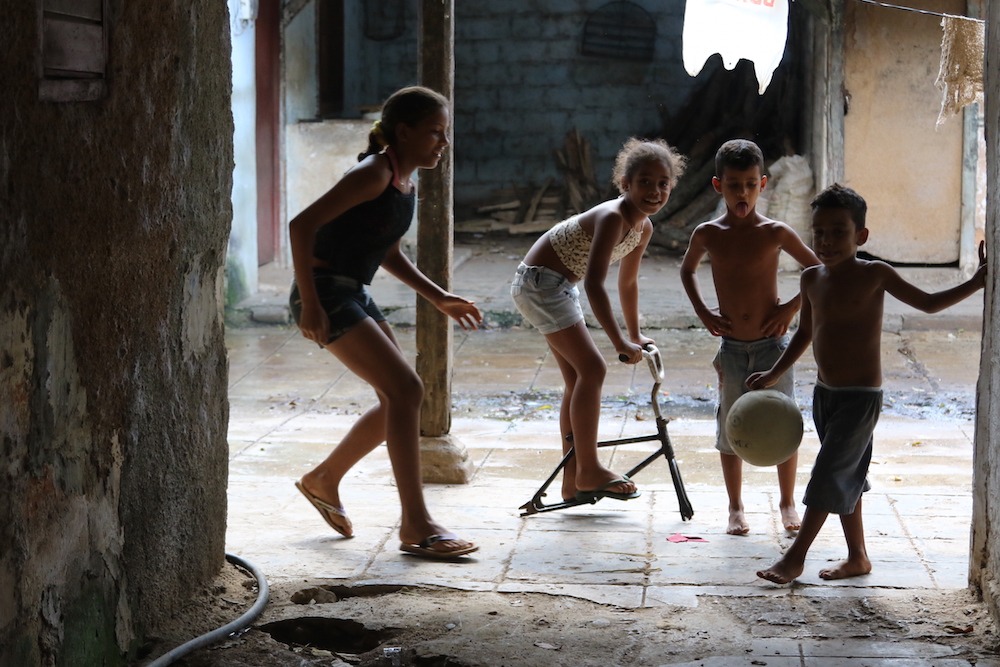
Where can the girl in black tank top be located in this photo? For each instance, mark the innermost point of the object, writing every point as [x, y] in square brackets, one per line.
[338, 243]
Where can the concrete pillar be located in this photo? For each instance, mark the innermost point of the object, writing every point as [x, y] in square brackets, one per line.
[443, 458]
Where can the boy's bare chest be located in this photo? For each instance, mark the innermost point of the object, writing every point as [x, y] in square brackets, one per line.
[742, 244]
[849, 303]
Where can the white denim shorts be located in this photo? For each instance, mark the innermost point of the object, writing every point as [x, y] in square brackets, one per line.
[546, 298]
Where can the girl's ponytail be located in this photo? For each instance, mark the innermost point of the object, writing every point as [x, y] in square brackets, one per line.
[376, 141]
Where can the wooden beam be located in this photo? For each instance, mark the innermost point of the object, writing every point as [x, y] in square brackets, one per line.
[435, 242]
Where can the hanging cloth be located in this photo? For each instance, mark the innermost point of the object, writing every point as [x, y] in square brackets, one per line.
[961, 75]
[735, 29]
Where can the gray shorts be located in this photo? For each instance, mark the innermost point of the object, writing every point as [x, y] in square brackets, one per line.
[546, 298]
[845, 419]
[736, 361]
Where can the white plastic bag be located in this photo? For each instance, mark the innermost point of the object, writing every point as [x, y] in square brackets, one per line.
[788, 194]
[735, 29]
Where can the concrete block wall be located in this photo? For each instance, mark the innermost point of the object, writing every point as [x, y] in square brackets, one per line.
[521, 83]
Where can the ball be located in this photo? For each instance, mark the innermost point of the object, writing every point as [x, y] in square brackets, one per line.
[764, 427]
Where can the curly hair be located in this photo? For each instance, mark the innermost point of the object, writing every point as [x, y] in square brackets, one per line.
[637, 151]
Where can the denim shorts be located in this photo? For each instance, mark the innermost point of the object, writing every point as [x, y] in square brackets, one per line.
[345, 301]
[546, 298]
[736, 361]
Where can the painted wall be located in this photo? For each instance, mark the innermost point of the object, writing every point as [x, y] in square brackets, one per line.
[241, 258]
[909, 172]
[301, 88]
[113, 412]
[317, 155]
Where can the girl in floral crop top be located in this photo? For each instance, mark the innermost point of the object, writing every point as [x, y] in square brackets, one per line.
[337, 244]
[544, 289]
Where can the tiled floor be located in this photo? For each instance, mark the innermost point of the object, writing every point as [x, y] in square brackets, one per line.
[290, 402]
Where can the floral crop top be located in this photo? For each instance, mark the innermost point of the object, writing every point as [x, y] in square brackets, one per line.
[572, 245]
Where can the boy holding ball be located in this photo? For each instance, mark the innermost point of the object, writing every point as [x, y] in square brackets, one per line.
[842, 317]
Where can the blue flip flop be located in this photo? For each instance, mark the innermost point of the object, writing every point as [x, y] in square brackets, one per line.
[602, 492]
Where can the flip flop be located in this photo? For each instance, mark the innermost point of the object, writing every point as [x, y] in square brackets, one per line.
[335, 517]
[602, 492]
[424, 550]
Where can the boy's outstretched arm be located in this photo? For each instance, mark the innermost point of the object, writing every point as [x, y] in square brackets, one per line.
[716, 323]
[777, 323]
[796, 347]
[913, 296]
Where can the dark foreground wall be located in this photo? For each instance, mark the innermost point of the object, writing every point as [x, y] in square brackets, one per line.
[985, 556]
[113, 221]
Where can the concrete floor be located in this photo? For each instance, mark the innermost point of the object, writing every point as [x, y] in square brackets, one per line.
[290, 403]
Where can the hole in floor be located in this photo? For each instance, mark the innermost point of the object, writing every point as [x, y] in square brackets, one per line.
[330, 593]
[437, 661]
[331, 634]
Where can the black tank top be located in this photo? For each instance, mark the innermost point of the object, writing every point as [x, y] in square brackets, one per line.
[355, 243]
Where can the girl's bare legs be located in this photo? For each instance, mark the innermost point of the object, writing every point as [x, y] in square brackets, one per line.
[366, 434]
[569, 488]
[371, 352]
[583, 370]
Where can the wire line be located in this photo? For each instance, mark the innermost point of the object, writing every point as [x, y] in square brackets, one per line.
[918, 11]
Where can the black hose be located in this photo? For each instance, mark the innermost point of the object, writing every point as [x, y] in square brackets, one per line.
[241, 623]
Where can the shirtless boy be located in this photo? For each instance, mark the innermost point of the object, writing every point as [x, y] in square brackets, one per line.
[744, 247]
[842, 317]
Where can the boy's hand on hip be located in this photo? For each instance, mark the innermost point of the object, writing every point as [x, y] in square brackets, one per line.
[716, 323]
[777, 323]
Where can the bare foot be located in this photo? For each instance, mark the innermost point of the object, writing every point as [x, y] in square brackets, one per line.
[847, 568]
[790, 518]
[781, 572]
[737, 523]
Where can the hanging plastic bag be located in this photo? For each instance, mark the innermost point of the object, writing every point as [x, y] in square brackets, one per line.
[735, 29]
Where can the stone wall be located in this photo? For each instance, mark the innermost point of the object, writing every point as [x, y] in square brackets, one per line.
[113, 413]
[985, 553]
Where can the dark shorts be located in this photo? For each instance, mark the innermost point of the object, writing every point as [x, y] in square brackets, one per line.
[845, 420]
[346, 302]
